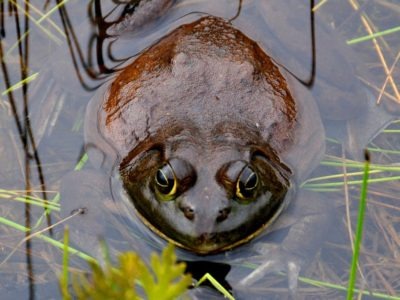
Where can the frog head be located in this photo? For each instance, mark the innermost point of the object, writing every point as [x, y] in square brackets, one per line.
[206, 191]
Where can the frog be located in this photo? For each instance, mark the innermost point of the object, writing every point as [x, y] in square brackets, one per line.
[214, 162]
[208, 138]
[216, 191]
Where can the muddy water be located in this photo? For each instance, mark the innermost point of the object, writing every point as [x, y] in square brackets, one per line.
[66, 57]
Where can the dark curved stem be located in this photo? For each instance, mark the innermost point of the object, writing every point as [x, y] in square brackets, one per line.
[238, 11]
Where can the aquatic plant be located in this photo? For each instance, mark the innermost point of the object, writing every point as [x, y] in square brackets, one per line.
[131, 278]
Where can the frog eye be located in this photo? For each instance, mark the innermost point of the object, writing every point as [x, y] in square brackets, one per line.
[165, 182]
[246, 185]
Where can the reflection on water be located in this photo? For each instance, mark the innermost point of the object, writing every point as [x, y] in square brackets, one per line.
[63, 51]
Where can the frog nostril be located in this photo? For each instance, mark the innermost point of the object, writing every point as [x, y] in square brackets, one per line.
[188, 212]
[223, 214]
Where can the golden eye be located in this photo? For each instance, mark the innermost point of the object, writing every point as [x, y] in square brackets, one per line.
[246, 185]
[166, 183]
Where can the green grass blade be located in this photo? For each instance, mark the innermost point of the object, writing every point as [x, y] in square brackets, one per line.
[359, 165]
[372, 36]
[12, 224]
[319, 5]
[65, 255]
[49, 34]
[48, 210]
[391, 131]
[42, 18]
[338, 287]
[330, 285]
[45, 16]
[324, 190]
[36, 203]
[336, 176]
[352, 182]
[47, 239]
[51, 11]
[215, 284]
[65, 273]
[387, 151]
[18, 85]
[11, 195]
[359, 231]
[82, 162]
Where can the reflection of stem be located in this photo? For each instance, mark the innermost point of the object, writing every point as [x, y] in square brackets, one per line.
[367, 26]
[10, 95]
[23, 125]
[24, 66]
[2, 13]
[369, 260]
[240, 4]
[27, 136]
[377, 89]
[387, 79]
[77, 54]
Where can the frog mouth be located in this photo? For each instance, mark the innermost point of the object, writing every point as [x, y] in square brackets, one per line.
[207, 238]
[208, 243]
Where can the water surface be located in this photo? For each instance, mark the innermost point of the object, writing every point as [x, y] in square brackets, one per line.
[62, 54]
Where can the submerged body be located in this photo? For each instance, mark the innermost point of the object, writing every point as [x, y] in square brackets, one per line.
[209, 131]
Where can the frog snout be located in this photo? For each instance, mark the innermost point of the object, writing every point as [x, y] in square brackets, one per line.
[223, 214]
[197, 214]
[188, 212]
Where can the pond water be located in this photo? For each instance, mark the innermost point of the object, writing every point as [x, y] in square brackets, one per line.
[58, 55]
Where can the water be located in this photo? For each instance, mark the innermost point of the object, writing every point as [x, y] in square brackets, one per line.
[42, 139]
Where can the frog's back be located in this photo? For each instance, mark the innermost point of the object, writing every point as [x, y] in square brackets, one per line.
[208, 74]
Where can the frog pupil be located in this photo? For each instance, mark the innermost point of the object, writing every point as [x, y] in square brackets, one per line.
[165, 179]
[251, 181]
[161, 178]
[247, 183]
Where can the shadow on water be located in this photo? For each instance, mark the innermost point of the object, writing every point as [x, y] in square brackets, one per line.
[93, 54]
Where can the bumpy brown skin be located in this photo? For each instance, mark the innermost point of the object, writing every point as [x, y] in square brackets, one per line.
[209, 101]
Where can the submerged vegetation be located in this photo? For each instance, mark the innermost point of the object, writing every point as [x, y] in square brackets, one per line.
[29, 205]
